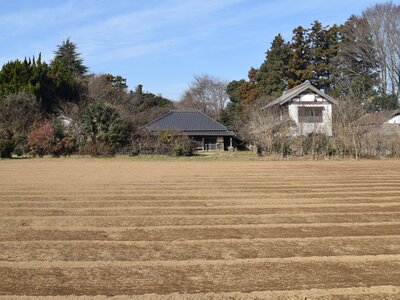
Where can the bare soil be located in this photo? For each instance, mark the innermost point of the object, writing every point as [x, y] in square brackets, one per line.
[96, 228]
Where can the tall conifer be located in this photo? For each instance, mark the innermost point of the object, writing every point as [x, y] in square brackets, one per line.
[298, 67]
[69, 59]
[271, 74]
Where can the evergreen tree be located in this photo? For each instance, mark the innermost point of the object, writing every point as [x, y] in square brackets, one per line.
[102, 123]
[145, 107]
[332, 48]
[67, 88]
[233, 112]
[271, 74]
[247, 90]
[324, 43]
[28, 76]
[384, 102]
[318, 47]
[233, 89]
[18, 114]
[69, 59]
[67, 70]
[298, 66]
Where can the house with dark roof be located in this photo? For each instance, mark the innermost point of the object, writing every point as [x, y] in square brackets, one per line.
[385, 122]
[380, 118]
[210, 134]
[307, 106]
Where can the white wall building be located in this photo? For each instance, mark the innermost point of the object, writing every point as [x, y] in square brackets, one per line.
[386, 120]
[395, 119]
[308, 107]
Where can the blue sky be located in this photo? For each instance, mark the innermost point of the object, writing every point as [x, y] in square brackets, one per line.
[162, 44]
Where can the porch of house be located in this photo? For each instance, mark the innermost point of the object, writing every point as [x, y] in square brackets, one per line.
[213, 143]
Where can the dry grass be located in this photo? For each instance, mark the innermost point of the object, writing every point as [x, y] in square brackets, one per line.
[206, 229]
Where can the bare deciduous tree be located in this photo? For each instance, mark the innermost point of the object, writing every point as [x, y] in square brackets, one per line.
[107, 88]
[205, 93]
[268, 131]
[384, 24]
[356, 71]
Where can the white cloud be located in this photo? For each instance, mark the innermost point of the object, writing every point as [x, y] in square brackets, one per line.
[110, 30]
[139, 32]
[67, 12]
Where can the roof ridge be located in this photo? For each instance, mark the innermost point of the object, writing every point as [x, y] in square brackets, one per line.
[307, 82]
[285, 97]
[389, 112]
[185, 110]
[376, 117]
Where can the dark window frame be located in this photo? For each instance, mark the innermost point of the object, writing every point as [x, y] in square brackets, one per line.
[311, 114]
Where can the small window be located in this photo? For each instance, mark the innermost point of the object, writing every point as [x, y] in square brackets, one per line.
[310, 114]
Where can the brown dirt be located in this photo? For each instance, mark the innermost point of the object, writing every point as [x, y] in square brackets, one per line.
[76, 228]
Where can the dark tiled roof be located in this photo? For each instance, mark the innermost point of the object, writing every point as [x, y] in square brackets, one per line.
[377, 118]
[190, 122]
[290, 94]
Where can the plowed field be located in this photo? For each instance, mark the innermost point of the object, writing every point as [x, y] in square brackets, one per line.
[77, 228]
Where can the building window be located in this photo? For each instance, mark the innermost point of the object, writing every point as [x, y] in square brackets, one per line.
[210, 143]
[310, 114]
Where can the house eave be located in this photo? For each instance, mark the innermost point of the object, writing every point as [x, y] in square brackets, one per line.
[289, 95]
[201, 133]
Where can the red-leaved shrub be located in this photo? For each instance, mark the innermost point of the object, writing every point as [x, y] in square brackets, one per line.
[41, 139]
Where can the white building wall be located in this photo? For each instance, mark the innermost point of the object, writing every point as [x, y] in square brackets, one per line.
[306, 128]
[307, 97]
[394, 120]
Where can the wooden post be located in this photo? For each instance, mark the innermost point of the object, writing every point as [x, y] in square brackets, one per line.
[203, 143]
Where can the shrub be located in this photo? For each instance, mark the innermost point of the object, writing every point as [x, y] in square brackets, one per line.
[135, 150]
[104, 126]
[51, 138]
[316, 144]
[41, 139]
[183, 148]
[174, 143]
[18, 114]
[168, 142]
[97, 149]
[64, 144]
[6, 144]
[105, 131]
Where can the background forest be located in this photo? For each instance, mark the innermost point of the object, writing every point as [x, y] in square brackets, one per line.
[60, 108]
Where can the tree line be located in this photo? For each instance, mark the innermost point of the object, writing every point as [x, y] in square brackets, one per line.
[357, 62]
[60, 108]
